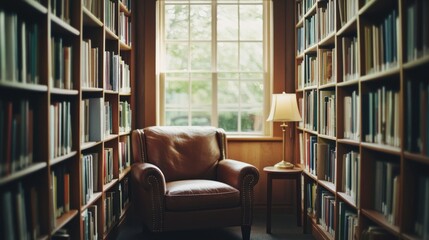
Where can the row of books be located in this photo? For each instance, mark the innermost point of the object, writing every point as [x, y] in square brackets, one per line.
[326, 161]
[61, 9]
[326, 211]
[421, 225]
[300, 74]
[124, 194]
[93, 6]
[386, 190]
[61, 70]
[108, 165]
[351, 116]
[350, 58]
[311, 193]
[350, 175]
[327, 66]
[326, 18]
[127, 4]
[19, 217]
[19, 41]
[89, 64]
[310, 109]
[381, 44]
[125, 28]
[92, 120]
[90, 222]
[311, 70]
[16, 135]
[417, 33]
[110, 15]
[125, 116]
[310, 153]
[308, 4]
[327, 124]
[347, 10]
[117, 73]
[108, 119]
[417, 116]
[300, 41]
[61, 139]
[310, 29]
[60, 184]
[380, 120]
[348, 222]
[376, 232]
[124, 154]
[112, 209]
[90, 173]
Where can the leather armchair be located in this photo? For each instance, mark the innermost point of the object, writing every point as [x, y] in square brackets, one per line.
[183, 180]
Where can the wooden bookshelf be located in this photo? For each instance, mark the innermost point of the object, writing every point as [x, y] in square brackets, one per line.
[380, 52]
[47, 73]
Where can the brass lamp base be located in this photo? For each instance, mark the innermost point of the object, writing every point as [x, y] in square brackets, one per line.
[284, 165]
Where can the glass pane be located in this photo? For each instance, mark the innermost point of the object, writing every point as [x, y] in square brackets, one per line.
[201, 56]
[252, 93]
[201, 75]
[177, 56]
[201, 118]
[227, 58]
[252, 76]
[252, 121]
[201, 22]
[228, 94]
[251, 57]
[228, 75]
[177, 94]
[251, 22]
[176, 118]
[228, 121]
[227, 22]
[201, 93]
[176, 76]
[176, 22]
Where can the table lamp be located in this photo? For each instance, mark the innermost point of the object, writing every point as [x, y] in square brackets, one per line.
[284, 108]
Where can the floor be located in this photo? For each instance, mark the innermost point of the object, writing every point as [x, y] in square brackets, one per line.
[283, 227]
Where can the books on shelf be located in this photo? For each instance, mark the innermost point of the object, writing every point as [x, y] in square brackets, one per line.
[124, 194]
[311, 110]
[326, 161]
[351, 116]
[89, 64]
[110, 16]
[326, 212]
[380, 120]
[124, 153]
[108, 119]
[386, 190]
[125, 116]
[308, 4]
[381, 44]
[300, 41]
[347, 10]
[326, 20]
[61, 9]
[90, 219]
[350, 58]
[92, 120]
[108, 165]
[327, 121]
[90, 176]
[117, 73]
[311, 70]
[417, 33]
[19, 41]
[125, 28]
[350, 175]
[61, 62]
[93, 6]
[348, 224]
[17, 135]
[112, 209]
[300, 75]
[60, 177]
[310, 154]
[375, 232]
[311, 189]
[310, 29]
[327, 66]
[61, 138]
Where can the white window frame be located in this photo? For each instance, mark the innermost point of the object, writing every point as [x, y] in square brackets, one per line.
[268, 56]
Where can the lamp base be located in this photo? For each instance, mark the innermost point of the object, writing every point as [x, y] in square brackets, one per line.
[284, 165]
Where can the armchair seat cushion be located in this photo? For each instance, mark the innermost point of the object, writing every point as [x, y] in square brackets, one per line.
[199, 194]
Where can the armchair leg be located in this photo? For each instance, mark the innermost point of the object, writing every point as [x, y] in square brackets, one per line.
[245, 232]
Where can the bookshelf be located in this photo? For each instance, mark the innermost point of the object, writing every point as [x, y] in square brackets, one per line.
[360, 79]
[66, 71]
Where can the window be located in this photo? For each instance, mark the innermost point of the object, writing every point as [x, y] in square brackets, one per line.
[214, 58]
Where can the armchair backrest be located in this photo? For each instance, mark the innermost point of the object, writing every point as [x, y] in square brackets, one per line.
[181, 152]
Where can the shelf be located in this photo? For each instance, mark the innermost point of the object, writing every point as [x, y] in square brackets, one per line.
[63, 220]
[21, 173]
[348, 83]
[311, 49]
[124, 133]
[24, 86]
[88, 145]
[347, 198]
[328, 40]
[380, 75]
[109, 185]
[349, 142]
[95, 196]
[124, 173]
[417, 157]
[328, 85]
[110, 137]
[328, 185]
[124, 46]
[381, 220]
[382, 148]
[110, 35]
[59, 91]
[60, 25]
[35, 5]
[310, 175]
[310, 11]
[90, 19]
[62, 158]
[417, 62]
[349, 28]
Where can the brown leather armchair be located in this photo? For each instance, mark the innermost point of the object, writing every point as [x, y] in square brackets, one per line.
[183, 180]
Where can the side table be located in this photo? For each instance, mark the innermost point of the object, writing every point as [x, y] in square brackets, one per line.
[278, 173]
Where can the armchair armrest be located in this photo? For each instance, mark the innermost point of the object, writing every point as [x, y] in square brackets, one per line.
[237, 174]
[149, 188]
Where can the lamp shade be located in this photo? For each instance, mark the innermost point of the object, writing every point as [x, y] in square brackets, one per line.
[284, 108]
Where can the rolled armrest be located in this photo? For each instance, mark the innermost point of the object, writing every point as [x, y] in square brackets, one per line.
[236, 173]
[148, 176]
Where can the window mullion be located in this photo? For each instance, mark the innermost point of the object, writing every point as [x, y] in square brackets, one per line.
[214, 110]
